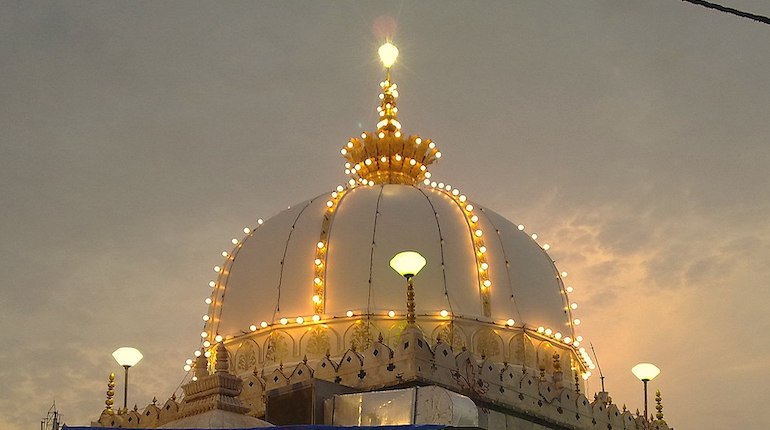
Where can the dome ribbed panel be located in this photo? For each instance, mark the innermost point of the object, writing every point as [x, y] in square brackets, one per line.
[536, 287]
[251, 292]
[461, 277]
[347, 263]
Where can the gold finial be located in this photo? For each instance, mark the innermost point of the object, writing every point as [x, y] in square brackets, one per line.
[110, 393]
[659, 405]
[385, 156]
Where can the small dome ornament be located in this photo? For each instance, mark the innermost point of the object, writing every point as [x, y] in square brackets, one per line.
[386, 156]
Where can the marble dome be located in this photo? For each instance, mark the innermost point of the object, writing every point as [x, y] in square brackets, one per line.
[272, 274]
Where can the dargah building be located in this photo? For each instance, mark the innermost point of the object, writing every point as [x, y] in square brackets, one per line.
[391, 301]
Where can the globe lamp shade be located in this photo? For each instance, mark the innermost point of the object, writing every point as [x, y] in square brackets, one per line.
[388, 54]
[645, 371]
[127, 356]
[407, 263]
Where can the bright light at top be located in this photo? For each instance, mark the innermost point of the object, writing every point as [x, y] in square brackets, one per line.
[127, 356]
[645, 371]
[388, 54]
[407, 263]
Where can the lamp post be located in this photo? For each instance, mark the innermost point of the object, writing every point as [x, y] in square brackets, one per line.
[646, 372]
[126, 357]
[408, 264]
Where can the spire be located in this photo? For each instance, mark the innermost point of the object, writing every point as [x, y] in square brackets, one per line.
[110, 393]
[659, 406]
[386, 156]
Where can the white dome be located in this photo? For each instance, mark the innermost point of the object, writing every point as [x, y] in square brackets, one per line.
[270, 275]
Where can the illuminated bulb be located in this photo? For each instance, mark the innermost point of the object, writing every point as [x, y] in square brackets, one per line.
[591, 366]
[455, 192]
[510, 322]
[428, 174]
[207, 354]
[188, 361]
[398, 157]
[418, 141]
[388, 54]
[205, 318]
[444, 313]
[350, 144]
[576, 321]
[253, 327]
[426, 181]
[381, 135]
[371, 183]
[557, 335]
[570, 289]
[448, 187]
[316, 318]
[206, 344]
[284, 321]
[582, 350]
[363, 135]
[469, 208]
[546, 247]
[318, 262]
[368, 162]
[391, 314]
[573, 306]
[585, 376]
[412, 162]
[320, 245]
[349, 313]
[541, 329]
[340, 188]
[343, 151]
[263, 324]
[398, 133]
[212, 284]
[204, 334]
[260, 221]
[474, 218]
[217, 269]
[576, 343]
[482, 249]
[348, 165]
[234, 241]
[197, 353]
[218, 338]
[433, 184]
[479, 233]
[484, 266]
[567, 339]
[194, 378]
[579, 338]
[347, 171]
[548, 331]
[441, 185]
[246, 230]
[300, 320]
[383, 159]
[563, 274]
[329, 203]
[432, 145]
[208, 300]
[463, 198]
[187, 367]
[487, 283]
[534, 236]
[316, 299]
[351, 182]
[438, 154]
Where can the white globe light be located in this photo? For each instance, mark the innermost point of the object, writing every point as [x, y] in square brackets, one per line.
[127, 356]
[645, 371]
[408, 263]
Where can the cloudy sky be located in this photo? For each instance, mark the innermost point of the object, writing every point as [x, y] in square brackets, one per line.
[137, 138]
